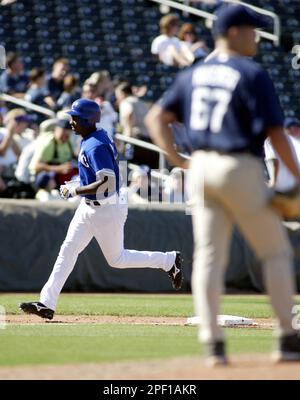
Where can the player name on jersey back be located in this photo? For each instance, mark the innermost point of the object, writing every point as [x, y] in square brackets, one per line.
[216, 75]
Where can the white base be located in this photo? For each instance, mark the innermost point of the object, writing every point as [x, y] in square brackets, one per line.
[223, 320]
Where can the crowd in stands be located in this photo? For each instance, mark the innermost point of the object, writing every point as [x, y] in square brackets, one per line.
[177, 46]
[38, 152]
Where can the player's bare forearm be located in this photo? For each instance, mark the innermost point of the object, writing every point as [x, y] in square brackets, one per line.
[158, 124]
[283, 149]
[92, 188]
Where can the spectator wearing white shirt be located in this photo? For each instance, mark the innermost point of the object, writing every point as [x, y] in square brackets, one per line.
[281, 179]
[109, 117]
[170, 50]
[132, 111]
[16, 121]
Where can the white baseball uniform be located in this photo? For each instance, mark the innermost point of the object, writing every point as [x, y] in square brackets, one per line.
[100, 217]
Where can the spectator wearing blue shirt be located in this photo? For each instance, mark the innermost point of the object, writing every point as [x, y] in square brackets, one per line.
[14, 80]
[38, 93]
[55, 82]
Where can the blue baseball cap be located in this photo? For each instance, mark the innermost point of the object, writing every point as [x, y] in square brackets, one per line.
[289, 121]
[87, 110]
[237, 15]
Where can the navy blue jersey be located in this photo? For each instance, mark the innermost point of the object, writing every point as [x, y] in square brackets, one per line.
[226, 104]
[37, 96]
[97, 158]
[54, 87]
[65, 100]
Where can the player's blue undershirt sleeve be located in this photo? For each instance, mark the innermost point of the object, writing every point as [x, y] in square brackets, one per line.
[268, 111]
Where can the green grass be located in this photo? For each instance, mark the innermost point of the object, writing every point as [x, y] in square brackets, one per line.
[110, 304]
[143, 305]
[93, 343]
[60, 344]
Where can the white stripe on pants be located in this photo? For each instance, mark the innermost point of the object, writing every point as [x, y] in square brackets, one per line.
[106, 224]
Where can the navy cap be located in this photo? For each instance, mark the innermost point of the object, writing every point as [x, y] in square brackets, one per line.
[25, 118]
[288, 122]
[237, 15]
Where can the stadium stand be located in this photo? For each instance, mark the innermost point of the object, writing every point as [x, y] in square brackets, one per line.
[114, 35]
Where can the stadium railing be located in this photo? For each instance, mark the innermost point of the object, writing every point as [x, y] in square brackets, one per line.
[118, 136]
[23, 103]
[185, 8]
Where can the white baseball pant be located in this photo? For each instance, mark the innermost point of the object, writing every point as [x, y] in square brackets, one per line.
[106, 224]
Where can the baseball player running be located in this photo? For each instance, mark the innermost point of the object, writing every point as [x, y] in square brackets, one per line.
[229, 106]
[100, 214]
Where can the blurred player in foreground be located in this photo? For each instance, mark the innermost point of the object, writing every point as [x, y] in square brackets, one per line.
[229, 106]
[101, 214]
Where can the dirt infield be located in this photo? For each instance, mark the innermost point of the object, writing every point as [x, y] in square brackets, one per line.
[95, 319]
[251, 367]
[110, 319]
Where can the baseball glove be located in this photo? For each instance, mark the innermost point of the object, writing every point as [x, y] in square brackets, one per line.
[287, 204]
